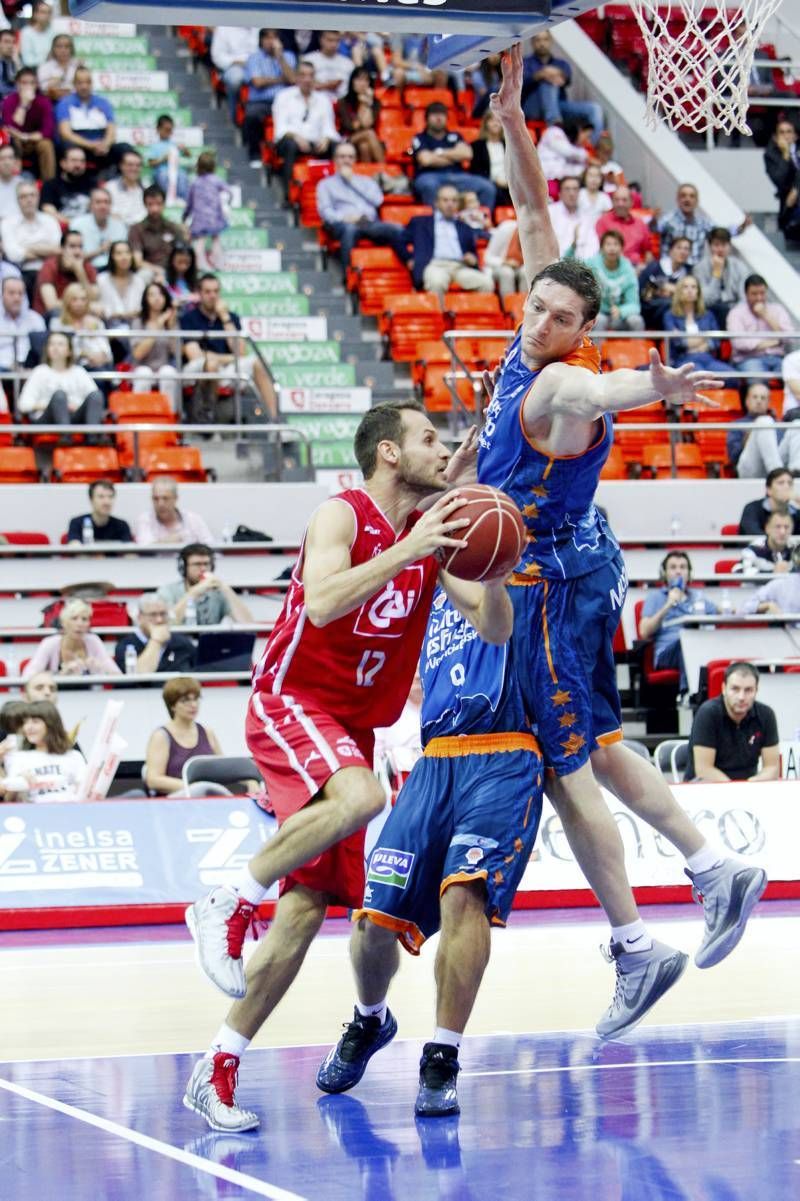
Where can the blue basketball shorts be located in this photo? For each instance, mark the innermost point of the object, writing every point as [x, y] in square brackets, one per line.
[563, 639]
[469, 811]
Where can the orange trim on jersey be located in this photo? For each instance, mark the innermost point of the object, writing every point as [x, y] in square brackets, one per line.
[462, 878]
[408, 934]
[546, 632]
[610, 738]
[518, 580]
[494, 920]
[527, 812]
[455, 745]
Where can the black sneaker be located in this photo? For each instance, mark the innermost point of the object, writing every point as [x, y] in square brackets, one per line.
[438, 1071]
[344, 1066]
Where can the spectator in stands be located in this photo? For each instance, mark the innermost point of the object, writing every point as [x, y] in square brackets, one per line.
[688, 219]
[564, 151]
[765, 449]
[219, 349]
[231, 46]
[22, 331]
[47, 767]
[36, 37]
[90, 346]
[484, 77]
[58, 391]
[66, 196]
[619, 302]
[74, 652]
[9, 62]
[781, 595]
[9, 178]
[544, 89]
[157, 648]
[593, 200]
[127, 191]
[489, 156]
[267, 70]
[348, 205]
[603, 155]
[757, 316]
[473, 214]
[156, 358]
[636, 237]
[41, 687]
[687, 314]
[30, 238]
[503, 257]
[205, 210]
[658, 280]
[28, 121]
[121, 285]
[182, 275]
[87, 120]
[438, 154]
[732, 732]
[357, 114]
[98, 228]
[302, 123]
[407, 64]
[105, 527]
[213, 599]
[665, 606]
[172, 745]
[59, 271]
[576, 233]
[782, 161]
[56, 75]
[163, 159]
[779, 486]
[445, 250]
[152, 239]
[721, 274]
[331, 69]
[165, 522]
[773, 552]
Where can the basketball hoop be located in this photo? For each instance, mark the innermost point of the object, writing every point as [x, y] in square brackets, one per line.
[700, 57]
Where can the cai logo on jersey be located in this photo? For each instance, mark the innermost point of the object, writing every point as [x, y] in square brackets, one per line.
[33, 858]
[390, 867]
[386, 615]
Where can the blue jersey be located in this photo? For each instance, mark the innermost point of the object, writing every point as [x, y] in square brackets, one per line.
[468, 686]
[568, 536]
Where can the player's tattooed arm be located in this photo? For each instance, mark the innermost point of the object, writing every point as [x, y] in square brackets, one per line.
[487, 607]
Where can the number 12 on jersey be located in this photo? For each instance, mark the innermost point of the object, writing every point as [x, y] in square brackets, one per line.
[369, 666]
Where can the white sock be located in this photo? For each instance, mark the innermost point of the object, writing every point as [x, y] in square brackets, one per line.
[229, 1041]
[634, 936]
[450, 1038]
[249, 889]
[373, 1011]
[707, 857]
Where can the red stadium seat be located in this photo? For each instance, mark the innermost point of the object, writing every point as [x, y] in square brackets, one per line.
[83, 464]
[473, 310]
[436, 394]
[654, 676]
[657, 460]
[183, 463]
[128, 407]
[26, 537]
[18, 465]
[410, 320]
[614, 467]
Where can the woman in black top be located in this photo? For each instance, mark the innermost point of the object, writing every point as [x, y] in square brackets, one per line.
[357, 115]
[488, 156]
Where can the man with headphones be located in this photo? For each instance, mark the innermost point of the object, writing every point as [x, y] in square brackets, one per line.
[213, 599]
[665, 606]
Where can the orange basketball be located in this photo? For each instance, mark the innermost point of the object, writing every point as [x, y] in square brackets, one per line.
[495, 536]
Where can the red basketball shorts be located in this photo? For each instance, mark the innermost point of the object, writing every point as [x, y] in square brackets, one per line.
[298, 748]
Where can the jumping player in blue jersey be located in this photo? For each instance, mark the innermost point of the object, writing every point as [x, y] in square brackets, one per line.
[547, 433]
[452, 852]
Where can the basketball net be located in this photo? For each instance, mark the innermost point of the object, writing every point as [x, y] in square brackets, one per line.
[700, 58]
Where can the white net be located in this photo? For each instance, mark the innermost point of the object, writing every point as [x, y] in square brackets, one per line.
[700, 59]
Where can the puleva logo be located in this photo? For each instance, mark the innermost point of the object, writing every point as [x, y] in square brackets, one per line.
[390, 867]
[35, 858]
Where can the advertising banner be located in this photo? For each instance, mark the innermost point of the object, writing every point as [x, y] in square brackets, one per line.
[130, 81]
[292, 354]
[324, 400]
[251, 260]
[278, 283]
[286, 329]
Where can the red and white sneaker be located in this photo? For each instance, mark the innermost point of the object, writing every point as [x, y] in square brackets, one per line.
[211, 1092]
[218, 925]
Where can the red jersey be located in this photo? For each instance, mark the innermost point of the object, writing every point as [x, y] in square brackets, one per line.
[358, 668]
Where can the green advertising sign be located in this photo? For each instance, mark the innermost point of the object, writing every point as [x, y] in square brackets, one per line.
[276, 284]
[326, 427]
[134, 118]
[333, 454]
[291, 354]
[291, 305]
[146, 102]
[324, 375]
[95, 44]
[245, 239]
[134, 62]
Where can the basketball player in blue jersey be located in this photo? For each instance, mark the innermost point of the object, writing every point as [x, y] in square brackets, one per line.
[546, 436]
[451, 854]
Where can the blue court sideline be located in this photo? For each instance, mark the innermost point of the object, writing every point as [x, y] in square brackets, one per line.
[692, 1113]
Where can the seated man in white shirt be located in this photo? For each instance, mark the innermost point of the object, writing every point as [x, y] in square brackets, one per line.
[231, 46]
[332, 70]
[165, 522]
[126, 191]
[17, 323]
[303, 122]
[10, 164]
[576, 233]
[32, 237]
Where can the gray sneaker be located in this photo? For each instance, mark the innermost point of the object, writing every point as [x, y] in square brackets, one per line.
[727, 893]
[218, 924]
[211, 1092]
[642, 977]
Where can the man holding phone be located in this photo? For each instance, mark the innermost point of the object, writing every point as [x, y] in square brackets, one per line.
[665, 606]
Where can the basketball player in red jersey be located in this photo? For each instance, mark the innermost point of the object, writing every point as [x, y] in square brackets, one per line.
[339, 663]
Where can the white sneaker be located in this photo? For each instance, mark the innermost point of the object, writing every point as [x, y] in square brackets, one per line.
[642, 978]
[218, 924]
[211, 1092]
[727, 893]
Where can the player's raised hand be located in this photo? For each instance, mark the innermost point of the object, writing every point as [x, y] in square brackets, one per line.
[437, 527]
[463, 465]
[679, 385]
[506, 103]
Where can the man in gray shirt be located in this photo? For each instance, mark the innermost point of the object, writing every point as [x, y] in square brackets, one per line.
[212, 598]
[99, 229]
[721, 275]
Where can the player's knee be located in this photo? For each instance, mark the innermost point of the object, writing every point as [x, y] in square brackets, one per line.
[367, 798]
[463, 902]
[371, 938]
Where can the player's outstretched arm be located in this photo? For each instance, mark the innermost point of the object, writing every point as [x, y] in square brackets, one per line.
[526, 181]
[334, 587]
[486, 606]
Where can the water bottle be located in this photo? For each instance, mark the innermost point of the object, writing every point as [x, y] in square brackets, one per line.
[87, 532]
[190, 613]
[675, 525]
[725, 602]
[131, 659]
[699, 604]
[227, 532]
